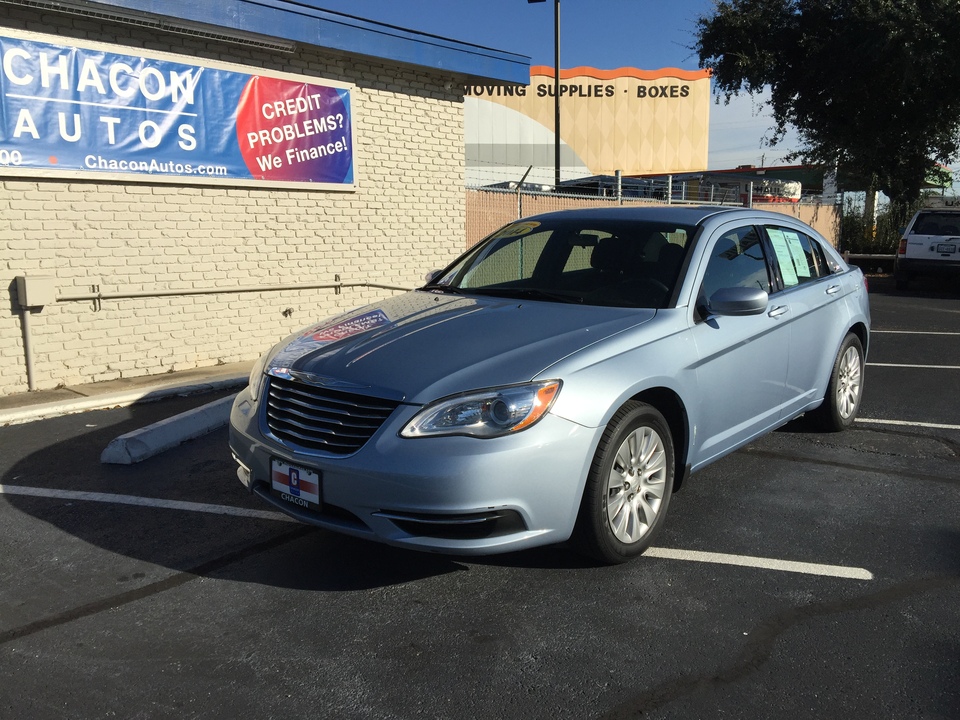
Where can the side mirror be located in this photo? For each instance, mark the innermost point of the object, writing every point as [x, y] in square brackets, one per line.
[738, 301]
[432, 275]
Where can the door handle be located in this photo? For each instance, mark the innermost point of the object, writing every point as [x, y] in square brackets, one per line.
[833, 290]
[778, 311]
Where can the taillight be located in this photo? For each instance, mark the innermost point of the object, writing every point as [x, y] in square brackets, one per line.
[902, 250]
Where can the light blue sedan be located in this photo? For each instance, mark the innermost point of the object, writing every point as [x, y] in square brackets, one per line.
[558, 381]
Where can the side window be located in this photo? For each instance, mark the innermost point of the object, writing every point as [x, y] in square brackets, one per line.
[737, 260]
[799, 257]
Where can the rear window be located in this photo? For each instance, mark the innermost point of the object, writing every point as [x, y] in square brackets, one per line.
[936, 223]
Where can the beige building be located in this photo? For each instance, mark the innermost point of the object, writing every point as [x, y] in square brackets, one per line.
[628, 120]
[131, 270]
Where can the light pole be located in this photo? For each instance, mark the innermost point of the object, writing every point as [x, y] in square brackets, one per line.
[556, 90]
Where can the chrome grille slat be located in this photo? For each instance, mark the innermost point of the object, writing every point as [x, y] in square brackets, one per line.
[342, 408]
[320, 418]
[319, 443]
[296, 387]
[332, 415]
[331, 428]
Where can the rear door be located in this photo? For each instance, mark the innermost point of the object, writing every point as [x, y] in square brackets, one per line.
[815, 312]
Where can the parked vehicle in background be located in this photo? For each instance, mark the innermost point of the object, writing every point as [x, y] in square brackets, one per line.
[931, 242]
[559, 380]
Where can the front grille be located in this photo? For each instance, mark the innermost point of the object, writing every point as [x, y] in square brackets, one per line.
[318, 418]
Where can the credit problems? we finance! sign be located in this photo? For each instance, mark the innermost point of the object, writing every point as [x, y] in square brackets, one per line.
[89, 109]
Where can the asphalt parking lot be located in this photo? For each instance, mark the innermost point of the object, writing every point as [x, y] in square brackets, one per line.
[806, 575]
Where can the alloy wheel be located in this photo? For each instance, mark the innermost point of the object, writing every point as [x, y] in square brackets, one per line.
[636, 485]
[848, 383]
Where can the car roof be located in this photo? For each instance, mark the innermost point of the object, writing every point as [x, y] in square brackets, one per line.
[690, 215]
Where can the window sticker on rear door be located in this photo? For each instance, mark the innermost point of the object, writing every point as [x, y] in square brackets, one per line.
[787, 268]
[797, 253]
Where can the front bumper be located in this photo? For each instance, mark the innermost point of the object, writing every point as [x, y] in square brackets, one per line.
[446, 494]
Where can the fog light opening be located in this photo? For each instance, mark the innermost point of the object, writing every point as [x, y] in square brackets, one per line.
[243, 472]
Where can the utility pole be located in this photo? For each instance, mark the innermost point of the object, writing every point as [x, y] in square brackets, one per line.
[556, 90]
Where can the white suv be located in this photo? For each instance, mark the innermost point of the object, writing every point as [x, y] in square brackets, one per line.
[931, 242]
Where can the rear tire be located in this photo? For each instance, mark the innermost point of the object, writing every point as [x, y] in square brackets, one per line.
[842, 401]
[629, 486]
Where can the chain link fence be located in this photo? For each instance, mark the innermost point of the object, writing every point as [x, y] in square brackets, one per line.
[490, 208]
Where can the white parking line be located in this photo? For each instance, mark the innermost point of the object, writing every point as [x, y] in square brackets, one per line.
[840, 571]
[665, 553]
[905, 365]
[143, 502]
[912, 332]
[908, 423]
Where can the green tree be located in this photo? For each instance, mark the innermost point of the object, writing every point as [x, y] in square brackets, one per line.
[858, 233]
[872, 86]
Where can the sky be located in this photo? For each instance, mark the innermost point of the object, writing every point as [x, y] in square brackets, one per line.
[605, 34]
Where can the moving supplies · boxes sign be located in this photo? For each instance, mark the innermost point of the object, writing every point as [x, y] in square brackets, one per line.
[637, 121]
[82, 111]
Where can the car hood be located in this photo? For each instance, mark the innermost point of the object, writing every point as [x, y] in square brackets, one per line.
[422, 345]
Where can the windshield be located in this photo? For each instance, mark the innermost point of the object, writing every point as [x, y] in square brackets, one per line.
[621, 264]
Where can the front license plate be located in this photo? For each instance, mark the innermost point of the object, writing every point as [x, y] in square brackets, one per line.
[295, 485]
[946, 248]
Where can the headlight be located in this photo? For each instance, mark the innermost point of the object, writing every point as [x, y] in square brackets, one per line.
[485, 413]
[256, 377]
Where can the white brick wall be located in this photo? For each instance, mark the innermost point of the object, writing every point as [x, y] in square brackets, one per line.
[406, 218]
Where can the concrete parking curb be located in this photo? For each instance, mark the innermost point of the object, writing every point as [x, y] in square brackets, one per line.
[148, 441]
[43, 411]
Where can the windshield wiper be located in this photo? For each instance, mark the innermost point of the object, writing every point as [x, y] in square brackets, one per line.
[529, 293]
[444, 288]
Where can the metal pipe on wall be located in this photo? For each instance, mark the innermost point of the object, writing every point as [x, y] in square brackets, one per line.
[97, 296]
[221, 291]
[27, 347]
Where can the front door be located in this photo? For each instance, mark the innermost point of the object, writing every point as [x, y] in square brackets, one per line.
[743, 361]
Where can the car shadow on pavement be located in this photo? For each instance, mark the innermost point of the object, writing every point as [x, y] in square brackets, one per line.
[46, 463]
[317, 560]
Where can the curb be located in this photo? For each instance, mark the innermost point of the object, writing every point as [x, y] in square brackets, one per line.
[146, 442]
[119, 399]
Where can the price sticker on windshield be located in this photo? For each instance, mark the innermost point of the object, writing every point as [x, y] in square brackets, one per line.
[517, 229]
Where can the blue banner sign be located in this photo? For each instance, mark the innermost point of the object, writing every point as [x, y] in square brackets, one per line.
[69, 111]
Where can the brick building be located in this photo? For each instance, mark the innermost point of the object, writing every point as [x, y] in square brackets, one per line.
[139, 274]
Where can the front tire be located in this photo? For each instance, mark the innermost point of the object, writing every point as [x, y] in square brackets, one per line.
[629, 486]
[842, 401]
